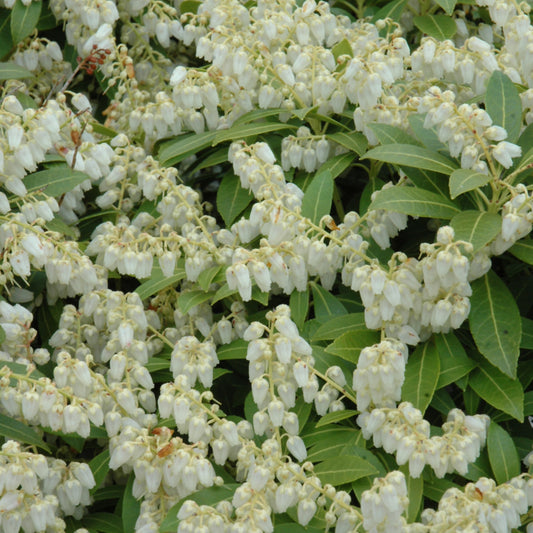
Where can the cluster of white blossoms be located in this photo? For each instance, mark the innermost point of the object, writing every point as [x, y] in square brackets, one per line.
[36, 492]
[314, 71]
[402, 430]
[304, 150]
[467, 131]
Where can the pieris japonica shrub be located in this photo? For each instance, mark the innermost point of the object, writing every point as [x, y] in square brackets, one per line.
[266, 266]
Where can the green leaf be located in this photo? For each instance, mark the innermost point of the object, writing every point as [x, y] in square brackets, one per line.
[60, 226]
[463, 180]
[234, 350]
[159, 282]
[131, 507]
[232, 199]
[103, 523]
[336, 416]
[392, 10]
[527, 334]
[299, 305]
[178, 149]
[428, 180]
[2, 335]
[6, 42]
[318, 196]
[427, 136]
[47, 20]
[440, 27]
[100, 467]
[415, 489]
[503, 456]
[11, 71]
[55, 181]
[190, 6]
[13, 429]
[208, 496]
[338, 325]
[24, 19]
[337, 165]
[355, 142]
[421, 376]
[326, 448]
[454, 363]
[257, 114]
[476, 227]
[329, 436]
[155, 364]
[503, 104]
[242, 131]
[342, 48]
[523, 250]
[205, 279]
[447, 5]
[498, 390]
[344, 469]
[216, 158]
[495, 323]
[349, 345]
[188, 300]
[415, 202]
[325, 304]
[412, 156]
[387, 134]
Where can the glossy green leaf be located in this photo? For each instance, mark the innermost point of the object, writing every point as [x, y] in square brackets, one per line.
[355, 142]
[55, 181]
[339, 444]
[344, 469]
[242, 131]
[258, 114]
[155, 364]
[12, 71]
[503, 104]
[318, 196]
[421, 375]
[178, 149]
[159, 282]
[412, 156]
[447, 5]
[523, 250]
[208, 496]
[387, 134]
[2, 335]
[495, 323]
[336, 416]
[188, 300]
[232, 199]
[325, 304]
[440, 27]
[463, 180]
[415, 489]
[337, 165]
[331, 435]
[190, 6]
[130, 506]
[99, 466]
[234, 350]
[415, 202]
[428, 180]
[205, 279]
[392, 10]
[13, 429]
[216, 158]
[503, 456]
[527, 334]
[476, 227]
[349, 345]
[427, 136]
[299, 305]
[24, 19]
[338, 325]
[498, 390]
[103, 523]
[454, 363]
[342, 48]
[6, 41]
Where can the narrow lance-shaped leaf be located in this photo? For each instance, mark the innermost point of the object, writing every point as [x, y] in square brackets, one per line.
[495, 323]
[463, 180]
[12, 71]
[503, 456]
[439, 27]
[421, 376]
[476, 227]
[415, 202]
[24, 18]
[232, 198]
[412, 156]
[503, 104]
[318, 197]
[340, 470]
[498, 390]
